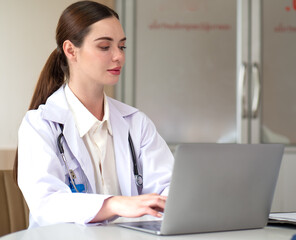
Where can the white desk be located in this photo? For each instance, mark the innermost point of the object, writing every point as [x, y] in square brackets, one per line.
[113, 232]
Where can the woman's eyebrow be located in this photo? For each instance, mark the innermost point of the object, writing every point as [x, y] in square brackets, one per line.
[109, 39]
[123, 39]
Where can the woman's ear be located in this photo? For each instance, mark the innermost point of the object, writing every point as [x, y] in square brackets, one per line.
[69, 50]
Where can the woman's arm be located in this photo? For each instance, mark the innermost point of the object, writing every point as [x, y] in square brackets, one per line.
[135, 206]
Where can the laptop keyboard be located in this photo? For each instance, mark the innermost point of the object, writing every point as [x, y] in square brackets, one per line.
[148, 225]
[152, 225]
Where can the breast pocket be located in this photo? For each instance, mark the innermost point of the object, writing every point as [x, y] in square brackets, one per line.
[74, 175]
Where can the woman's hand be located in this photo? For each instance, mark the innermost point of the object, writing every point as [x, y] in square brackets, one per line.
[136, 206]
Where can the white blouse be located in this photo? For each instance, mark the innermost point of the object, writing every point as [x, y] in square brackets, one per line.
[98, 138]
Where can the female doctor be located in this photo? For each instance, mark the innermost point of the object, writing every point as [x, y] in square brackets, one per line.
[82, 156]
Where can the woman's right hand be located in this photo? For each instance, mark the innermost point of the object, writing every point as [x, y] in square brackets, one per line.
[136, 206]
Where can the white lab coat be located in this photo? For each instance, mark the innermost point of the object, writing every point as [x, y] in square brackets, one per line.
[42, 175]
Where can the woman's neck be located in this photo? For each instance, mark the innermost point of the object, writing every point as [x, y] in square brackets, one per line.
[92, 97]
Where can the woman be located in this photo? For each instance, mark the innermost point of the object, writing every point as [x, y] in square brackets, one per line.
[74, 157]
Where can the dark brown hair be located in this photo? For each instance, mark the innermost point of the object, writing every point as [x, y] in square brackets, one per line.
[74, 24]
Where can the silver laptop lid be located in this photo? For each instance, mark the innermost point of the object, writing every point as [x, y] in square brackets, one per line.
[218, 187]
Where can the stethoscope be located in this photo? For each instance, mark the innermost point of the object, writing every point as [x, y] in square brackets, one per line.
[80, 187]
[138, 176]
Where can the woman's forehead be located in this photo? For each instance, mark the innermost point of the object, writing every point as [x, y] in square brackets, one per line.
[108, 27]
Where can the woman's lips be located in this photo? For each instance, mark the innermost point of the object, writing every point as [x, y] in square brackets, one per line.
[115, 71]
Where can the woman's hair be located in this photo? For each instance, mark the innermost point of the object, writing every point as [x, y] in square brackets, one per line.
[74, 24]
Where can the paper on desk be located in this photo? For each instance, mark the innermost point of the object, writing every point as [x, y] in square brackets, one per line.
[283, 218]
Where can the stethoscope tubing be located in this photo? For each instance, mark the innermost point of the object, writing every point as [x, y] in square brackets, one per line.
[61, 149]
[138, 177]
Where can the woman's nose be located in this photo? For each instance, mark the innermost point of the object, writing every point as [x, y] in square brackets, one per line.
[118, 55]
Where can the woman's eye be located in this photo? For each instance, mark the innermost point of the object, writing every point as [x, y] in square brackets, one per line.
[105, 48]
[122, 48]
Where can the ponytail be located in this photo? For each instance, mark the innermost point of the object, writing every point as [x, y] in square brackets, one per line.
[51, 78]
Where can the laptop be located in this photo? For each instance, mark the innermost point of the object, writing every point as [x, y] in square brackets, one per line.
[218, 187]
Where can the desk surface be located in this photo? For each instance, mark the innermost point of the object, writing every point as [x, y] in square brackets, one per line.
[78, 232]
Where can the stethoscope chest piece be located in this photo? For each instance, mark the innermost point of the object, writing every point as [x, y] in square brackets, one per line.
[139, 180]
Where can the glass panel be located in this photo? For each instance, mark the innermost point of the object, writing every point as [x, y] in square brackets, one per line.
[279, 71]
[186, 68]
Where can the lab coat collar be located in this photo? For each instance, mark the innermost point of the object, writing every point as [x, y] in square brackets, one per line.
[56, 108]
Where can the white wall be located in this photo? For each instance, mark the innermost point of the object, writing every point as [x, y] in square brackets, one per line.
[27, 37]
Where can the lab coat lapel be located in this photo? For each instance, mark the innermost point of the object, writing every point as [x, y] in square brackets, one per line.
[78, 149]
[120, 130]
[57, 110]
